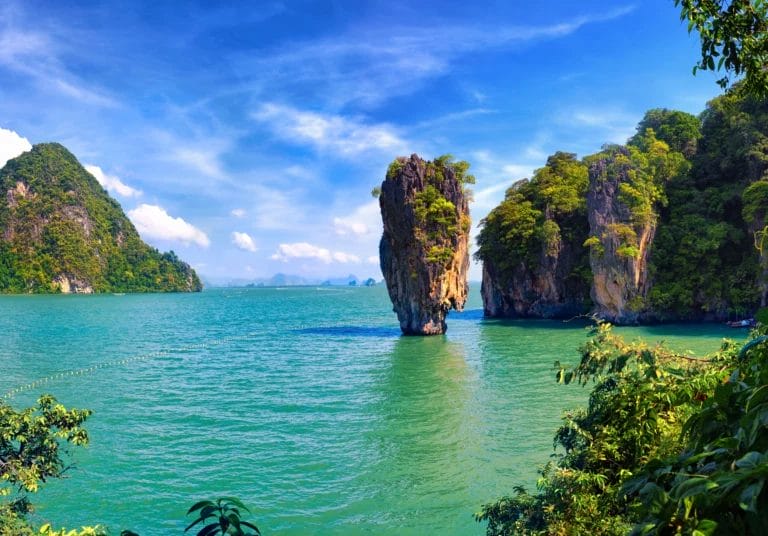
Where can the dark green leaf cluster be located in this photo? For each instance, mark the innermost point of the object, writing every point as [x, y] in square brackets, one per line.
[717, 483]
[734, 37]
[225, 515]
[57, 221]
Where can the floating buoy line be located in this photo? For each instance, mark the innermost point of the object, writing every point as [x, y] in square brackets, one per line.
[120, 362]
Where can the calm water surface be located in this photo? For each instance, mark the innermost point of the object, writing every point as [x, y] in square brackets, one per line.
[304, 402]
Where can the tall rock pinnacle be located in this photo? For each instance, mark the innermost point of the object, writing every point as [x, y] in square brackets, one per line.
[424, 250]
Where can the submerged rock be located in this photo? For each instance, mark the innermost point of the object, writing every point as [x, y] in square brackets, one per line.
[424, 250]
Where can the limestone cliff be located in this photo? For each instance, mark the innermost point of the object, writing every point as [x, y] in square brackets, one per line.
[531, 245]
[621, 239]
[424, 250]
[548, 287]
[61, 232]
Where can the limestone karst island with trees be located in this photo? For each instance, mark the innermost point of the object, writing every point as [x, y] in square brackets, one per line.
[669, 226]
[424, 250]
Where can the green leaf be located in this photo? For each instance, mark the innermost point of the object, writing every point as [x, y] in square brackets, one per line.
[251, 526]
[199, 505]
[208, 530]
[237, 502]
[693, 486]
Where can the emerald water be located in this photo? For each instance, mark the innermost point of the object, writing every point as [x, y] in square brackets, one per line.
[306, 403]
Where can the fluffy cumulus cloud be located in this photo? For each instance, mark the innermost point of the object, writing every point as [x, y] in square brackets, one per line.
[340, 256]
[365, 220]
[111, 182]
[154, 222]
[343, 135]
[238, 212]
[304, 250]
[12, 145]
[243, 241]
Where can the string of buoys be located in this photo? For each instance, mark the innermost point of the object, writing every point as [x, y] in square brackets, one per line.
[119, 362]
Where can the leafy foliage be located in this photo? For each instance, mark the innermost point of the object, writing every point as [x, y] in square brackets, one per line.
[644, 402]
[58, 222]
[438, 221]
[31, 452]
[734, 37]
[225, 513]
[679, 130]
[716, 483]
[536, 216]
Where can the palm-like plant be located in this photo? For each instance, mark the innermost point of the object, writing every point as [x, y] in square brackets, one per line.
[225, 516]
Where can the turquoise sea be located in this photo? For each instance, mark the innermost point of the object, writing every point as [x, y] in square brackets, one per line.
[306, 403]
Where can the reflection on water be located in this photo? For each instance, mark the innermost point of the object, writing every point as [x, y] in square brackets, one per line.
[424, 433]
[351, 331]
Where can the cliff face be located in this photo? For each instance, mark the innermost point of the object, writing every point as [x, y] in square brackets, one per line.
[534, 263]
[61, 232]
[545, 288]
[424, 250]
[620, 260]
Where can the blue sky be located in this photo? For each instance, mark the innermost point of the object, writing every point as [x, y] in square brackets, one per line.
[247, 136]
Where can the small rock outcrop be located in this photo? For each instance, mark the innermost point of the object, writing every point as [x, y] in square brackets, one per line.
[621, 237]
[424, 250]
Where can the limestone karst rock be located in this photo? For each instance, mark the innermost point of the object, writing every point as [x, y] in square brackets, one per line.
[424, 250]
[619, 260]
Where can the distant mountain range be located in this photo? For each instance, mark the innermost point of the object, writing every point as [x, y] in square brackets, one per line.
[288, 280]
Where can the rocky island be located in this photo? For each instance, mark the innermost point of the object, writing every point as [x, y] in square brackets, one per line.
[61, 232]
[670, 226]
[424, 250]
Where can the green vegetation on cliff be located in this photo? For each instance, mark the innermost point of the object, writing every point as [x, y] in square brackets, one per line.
[538, 215]
[437, 218]
[696, 184]
[60, 229]
[704, 258]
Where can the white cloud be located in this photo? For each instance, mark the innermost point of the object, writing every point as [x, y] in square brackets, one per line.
[615, 125]
[12, 145]
[112, 182]
[205, 161]
[373, 259]
[372, 64]
[243, 241]
[37, 56]
[304, 250]
[364, 220]
[301, 250]
[238, 212]
[345, 258]
[343, 135]
[154, 222]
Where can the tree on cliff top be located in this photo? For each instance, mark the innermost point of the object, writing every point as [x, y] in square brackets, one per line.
[734, 36]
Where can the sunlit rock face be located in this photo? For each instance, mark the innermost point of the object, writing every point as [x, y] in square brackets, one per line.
[620, 264]
[424, 250]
